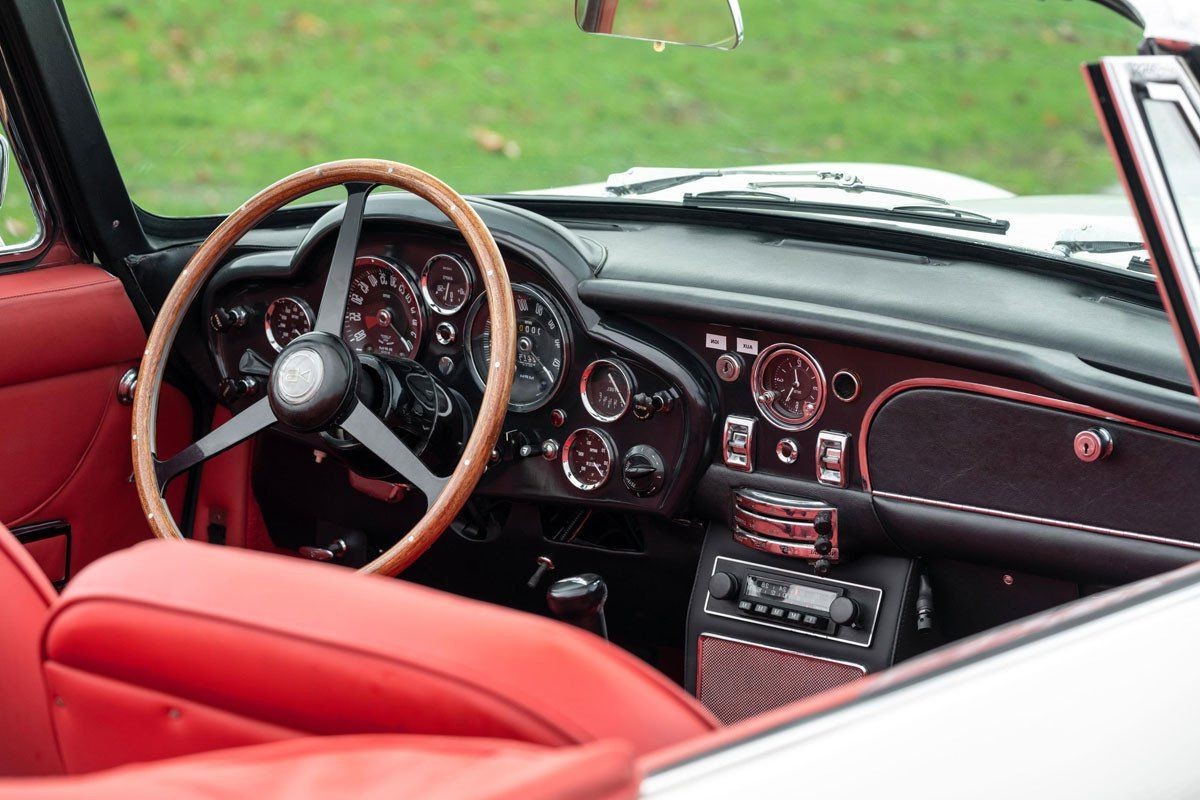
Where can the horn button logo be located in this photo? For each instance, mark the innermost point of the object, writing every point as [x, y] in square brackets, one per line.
[299, 376]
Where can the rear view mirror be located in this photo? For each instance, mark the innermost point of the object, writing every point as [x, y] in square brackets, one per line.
[696, 23]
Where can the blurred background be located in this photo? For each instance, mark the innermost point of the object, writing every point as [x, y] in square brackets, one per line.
[205, 103]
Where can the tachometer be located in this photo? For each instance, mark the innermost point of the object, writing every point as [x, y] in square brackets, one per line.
[446, 283]
[788, 387]
[542, 347]
[588, 457]
[383, 311]
[287, 318]
[607, 389]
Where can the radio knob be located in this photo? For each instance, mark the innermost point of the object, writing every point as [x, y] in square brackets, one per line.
[844, 611]
[722, 585]
[823, 545]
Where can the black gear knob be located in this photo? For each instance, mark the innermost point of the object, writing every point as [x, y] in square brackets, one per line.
[579, 600]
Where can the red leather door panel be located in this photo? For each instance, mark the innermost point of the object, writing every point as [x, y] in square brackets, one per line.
[67, 335]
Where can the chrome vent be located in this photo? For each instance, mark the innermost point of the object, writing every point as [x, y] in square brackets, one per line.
[784, 525]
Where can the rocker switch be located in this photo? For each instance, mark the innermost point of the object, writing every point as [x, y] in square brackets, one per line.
[737, 443]
[832, 449]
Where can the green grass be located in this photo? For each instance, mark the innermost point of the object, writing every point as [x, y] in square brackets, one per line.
[207, 102]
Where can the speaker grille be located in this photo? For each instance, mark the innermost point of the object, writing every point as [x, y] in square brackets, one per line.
[737, 680]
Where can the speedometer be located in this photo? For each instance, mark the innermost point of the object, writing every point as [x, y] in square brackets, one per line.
[383, 311]
[542, 347]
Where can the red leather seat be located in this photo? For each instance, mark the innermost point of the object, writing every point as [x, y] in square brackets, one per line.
[362, 767]
[26, 738]
[168, 649]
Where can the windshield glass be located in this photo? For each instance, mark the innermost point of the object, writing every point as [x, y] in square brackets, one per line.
[206, 103]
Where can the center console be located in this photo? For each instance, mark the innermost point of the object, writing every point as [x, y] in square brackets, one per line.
[782, 610]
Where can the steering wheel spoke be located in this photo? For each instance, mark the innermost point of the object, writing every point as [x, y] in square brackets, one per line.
[341, 267]
[370, 431]
[241, 427]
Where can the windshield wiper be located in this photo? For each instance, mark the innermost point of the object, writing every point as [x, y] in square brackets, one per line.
[946, 216]
[1069, 247]
[821, 179]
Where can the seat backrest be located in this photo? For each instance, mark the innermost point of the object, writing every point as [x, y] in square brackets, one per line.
[27, 743]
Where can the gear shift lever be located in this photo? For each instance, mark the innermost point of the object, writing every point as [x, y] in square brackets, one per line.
[579, 600]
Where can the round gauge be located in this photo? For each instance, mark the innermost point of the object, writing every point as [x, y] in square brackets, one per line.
[286, 319]
[446, 283]
[383, 313]
[588, 458]
[789, 387]
[542, 347]
[607, 389]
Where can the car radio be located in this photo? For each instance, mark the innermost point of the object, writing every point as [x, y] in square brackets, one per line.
[807, 604]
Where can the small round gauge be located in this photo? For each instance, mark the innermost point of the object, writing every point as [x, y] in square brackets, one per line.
[446, 283]
[383, 312]
[287, 318]
[607, 389]
[543, 348]
[789, 387]
[588, 458]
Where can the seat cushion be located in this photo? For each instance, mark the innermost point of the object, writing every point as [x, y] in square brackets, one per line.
[172, 648]
[362, 767]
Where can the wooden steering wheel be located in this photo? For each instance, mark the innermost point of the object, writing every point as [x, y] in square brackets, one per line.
[313, 385]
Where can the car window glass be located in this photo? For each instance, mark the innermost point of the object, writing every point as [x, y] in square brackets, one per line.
[20, 227]
[1179, 151]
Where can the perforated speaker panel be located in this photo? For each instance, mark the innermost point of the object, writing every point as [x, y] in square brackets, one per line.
[737, 680]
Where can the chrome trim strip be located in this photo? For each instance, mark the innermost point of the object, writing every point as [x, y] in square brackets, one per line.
[1058, 523]
[806, 576]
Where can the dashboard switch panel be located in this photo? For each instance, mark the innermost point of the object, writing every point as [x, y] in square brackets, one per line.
[737, 443]
[833, 454]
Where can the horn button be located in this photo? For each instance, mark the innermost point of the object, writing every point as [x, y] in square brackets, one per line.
[312, 383]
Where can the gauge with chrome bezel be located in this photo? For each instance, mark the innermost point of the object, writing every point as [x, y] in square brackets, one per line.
[589, 458]
[607, 389]
[446, 283]
[543, 347]
[287, 318]
[384, 314]
[788, 386]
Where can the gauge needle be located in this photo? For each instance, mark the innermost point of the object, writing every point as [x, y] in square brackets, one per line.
[796, 372]
[613, 381]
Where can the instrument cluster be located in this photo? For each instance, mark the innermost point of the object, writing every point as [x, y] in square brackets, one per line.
[583, 408]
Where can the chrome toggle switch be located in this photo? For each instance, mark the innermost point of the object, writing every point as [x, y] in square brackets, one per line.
[832, 458]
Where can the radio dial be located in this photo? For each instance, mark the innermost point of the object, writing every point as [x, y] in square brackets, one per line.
[844, 611]
[722, 585]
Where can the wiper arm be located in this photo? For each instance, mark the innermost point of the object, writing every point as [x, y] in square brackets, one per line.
[945, 216]
[1069, 247]
[820, 179]
[846, 183]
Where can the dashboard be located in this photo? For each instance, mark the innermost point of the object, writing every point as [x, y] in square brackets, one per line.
[654, 379]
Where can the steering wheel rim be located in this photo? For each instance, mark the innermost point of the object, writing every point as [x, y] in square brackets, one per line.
[359, 176]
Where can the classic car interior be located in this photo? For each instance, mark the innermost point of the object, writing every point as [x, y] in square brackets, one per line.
[531, 468]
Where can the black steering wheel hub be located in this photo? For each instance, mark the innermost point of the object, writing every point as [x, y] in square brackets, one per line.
[312, 385]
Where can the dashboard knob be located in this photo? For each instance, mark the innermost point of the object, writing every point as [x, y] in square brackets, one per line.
[226, 319]
[232, 389]
[823, 545]
[722, 585]
[643, 405]
[550, 450]
[844, 611]
[823, 524]
[644, 471]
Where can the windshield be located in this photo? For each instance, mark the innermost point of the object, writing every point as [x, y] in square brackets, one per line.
[206, 103]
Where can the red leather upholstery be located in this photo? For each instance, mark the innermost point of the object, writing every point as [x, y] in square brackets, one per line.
[219, 647]
[365, 768]
[27, 744]
[68, 334]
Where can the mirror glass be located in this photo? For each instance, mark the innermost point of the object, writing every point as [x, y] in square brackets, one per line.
[696, 23]
[20, 223]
